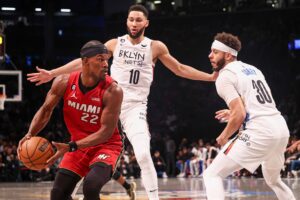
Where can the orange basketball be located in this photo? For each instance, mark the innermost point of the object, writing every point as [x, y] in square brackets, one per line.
[35, 152]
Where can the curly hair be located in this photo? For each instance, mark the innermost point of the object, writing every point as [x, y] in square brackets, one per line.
[229, 40]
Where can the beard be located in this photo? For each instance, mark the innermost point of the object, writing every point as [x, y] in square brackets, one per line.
[220, 64]
[137, 35]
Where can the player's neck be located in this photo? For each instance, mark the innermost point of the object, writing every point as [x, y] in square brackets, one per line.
[87, 81]
[229, 61]
[136, 40]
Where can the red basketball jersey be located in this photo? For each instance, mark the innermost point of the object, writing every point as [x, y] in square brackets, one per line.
[82, 112]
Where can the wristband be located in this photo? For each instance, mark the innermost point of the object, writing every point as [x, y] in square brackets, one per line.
[72, 146]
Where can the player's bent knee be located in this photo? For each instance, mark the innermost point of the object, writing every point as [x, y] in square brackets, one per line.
[207, 175]
[273, 182]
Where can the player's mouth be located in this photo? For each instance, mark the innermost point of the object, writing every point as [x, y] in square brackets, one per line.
[134, 31]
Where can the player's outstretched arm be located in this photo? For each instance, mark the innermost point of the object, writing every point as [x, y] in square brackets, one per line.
[178, 68]
[44, 76]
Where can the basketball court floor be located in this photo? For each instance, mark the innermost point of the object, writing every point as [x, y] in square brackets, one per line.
[170, 189]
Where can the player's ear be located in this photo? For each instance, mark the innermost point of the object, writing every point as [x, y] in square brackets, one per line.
[84, 60]
[228, 56]
[147, 23]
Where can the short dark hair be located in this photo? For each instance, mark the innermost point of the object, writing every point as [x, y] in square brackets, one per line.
[93, 48]
[229, 40]
[140, 8]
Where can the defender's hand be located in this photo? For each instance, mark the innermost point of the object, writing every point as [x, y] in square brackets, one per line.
[40, 77]
[223, 115]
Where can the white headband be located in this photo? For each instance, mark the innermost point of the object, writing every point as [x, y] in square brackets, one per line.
[222, 47]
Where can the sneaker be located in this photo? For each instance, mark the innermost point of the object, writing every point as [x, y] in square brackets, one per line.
[165, 175]
[295, 173]
[132, 191]
[181, 175]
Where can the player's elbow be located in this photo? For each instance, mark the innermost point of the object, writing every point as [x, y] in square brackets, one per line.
[104, 136]
[241, 115]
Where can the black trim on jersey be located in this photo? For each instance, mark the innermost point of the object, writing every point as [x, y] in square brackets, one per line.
[122, 134]
[83, 88]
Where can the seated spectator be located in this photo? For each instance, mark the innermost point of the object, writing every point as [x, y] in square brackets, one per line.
[133, 166]
[183, 160]
[123, 168]
[160, 165]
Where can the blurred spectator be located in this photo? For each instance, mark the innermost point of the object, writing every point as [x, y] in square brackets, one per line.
[160, 165]
[170, 152]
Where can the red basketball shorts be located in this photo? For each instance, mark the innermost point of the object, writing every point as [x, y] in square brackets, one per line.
[80, 161]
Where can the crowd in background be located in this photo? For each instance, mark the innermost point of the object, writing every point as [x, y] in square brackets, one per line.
[183, 160]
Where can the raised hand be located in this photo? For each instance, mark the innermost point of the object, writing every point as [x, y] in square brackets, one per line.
[40, 77]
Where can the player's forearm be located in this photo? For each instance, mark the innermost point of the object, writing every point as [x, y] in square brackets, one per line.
[39, 121]
[193, 74]
[96, 138]
[233, 125]
[74, 65]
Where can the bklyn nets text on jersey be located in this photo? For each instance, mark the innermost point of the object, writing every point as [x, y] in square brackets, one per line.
[132, 58]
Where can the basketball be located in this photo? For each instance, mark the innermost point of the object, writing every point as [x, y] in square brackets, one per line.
[35, 152]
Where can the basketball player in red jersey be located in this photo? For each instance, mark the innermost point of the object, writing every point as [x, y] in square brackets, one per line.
[92, 102]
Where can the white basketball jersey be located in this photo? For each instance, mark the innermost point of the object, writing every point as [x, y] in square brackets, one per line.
[132, 68]
[253, 89]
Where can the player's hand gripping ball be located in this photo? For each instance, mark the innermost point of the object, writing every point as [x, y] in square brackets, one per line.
[35, 152]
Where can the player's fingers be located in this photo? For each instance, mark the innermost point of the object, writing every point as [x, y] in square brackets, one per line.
[39, 83]
[51, 161]
[37, 68]
[32, 78]
[18, 152]
[220, 115]
[221, 111]
[54, 144]
[33, 74]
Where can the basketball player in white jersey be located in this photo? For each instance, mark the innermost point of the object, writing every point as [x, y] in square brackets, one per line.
[263, 134]
[134, 57]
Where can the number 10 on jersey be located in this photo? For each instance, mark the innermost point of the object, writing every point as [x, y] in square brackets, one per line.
[134, 76]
